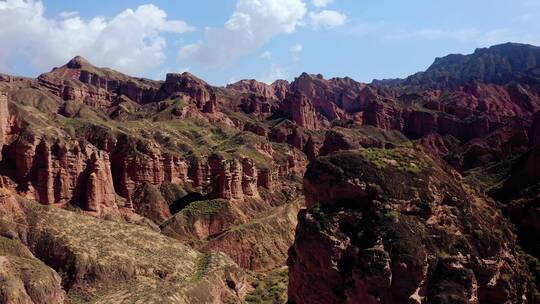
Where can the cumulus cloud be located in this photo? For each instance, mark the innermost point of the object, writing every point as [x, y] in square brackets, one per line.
[327, 19]
[131, 42]
[321, 3]
[252, 25]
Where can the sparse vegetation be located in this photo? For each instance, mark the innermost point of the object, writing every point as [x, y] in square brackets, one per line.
[320, 216]
[404, 159]
[269, 288]
[201, 266]
[208, 207]
[172, 192]
[393, 215]
[443, 255]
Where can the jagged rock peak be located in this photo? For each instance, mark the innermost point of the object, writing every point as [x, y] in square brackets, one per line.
[310, 76]
[280, 82]
[177, 77]
[78, 62]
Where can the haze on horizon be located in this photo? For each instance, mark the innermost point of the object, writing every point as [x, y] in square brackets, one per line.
[225, 41]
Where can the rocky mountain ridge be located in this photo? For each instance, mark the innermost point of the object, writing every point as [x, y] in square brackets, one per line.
[221, 170]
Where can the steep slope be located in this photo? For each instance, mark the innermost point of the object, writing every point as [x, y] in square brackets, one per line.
[498, 64]
[109, 261]
[136, 151]
[24, 278]
[393, 226]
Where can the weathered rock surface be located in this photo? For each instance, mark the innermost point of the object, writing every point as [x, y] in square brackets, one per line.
[4, 118]
[276, 90]
[24, 278]
[59, 173]
[393, 226]
[301, 110]
[113, 262]
[261, 244]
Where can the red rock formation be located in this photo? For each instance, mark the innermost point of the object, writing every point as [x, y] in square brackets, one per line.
[197, 171]
[132, 169]
[257, 105]
[234, 179]
[277, 90]
[281, 87]
[221, 175]
[257, 129]
[148, 201]
[249, 178]
[380, 242]
[435, 144]
[100, 193]
[4, 118]
[60, 173]
[175, 169]
[199, 91]
[301, 110]
[94, 86]
[420, 123]
[332, 98]
[337, 140]
[383, 115]
[267, 178]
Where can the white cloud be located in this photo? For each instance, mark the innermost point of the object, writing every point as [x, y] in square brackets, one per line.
[131, 42]
[267, 55]
[327, 19]
[321, 3]
[296, 50]
[252, 25]
[68, 14]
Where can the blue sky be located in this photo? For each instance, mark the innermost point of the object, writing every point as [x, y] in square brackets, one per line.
[227, 40]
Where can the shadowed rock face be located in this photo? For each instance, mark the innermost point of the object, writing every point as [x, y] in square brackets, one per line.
[393, 226]
[498, 64]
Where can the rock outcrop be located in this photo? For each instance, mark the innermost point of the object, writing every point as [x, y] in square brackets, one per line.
[234, 179]
[332, 98]
[199, 91]
[99, 187]
[60, 173]
[393, 226]
[98, 87]
[301, 110]
[276, 90]
[25, 279]
[4, 118]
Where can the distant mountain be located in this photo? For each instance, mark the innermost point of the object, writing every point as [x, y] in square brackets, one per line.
[499, 64]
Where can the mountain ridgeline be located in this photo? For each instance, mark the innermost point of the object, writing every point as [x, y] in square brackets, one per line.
[117, 189]
[500, 64]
